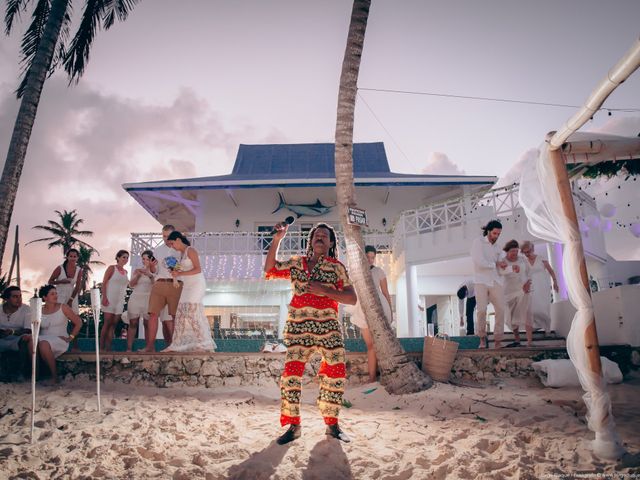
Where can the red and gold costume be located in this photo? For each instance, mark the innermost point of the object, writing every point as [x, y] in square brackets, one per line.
[312, 325]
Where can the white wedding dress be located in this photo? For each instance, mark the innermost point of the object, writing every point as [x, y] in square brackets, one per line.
[192, 332]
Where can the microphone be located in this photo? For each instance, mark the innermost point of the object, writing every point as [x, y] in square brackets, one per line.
[287, 221]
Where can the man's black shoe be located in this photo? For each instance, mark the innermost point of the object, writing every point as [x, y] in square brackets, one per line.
[293, 432]
[335, 432]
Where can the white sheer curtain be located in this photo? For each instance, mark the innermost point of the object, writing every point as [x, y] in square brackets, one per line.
[540, 199]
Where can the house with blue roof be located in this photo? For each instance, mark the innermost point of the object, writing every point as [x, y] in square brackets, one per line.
[301, 174]
[229, 218]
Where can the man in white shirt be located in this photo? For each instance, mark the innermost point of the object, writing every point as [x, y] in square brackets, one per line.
[467, 292]
[15, 325]
[163, 294]
[485, 254]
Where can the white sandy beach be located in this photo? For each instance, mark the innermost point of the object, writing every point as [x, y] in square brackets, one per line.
[182, 433]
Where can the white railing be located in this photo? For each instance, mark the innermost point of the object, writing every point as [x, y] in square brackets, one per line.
[496, 203]
[450, 213]
[249, 243]
[240, 255]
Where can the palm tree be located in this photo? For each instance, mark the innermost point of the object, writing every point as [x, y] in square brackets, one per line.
[85, 262]
[65, 231]
[398, 373]
[45, 46]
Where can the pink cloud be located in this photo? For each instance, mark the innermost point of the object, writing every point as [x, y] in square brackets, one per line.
[85, 145]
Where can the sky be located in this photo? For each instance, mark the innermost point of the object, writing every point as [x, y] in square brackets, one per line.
[174, 90]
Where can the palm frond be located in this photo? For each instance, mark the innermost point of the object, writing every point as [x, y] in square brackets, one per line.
[119, 9]
[14, 8]
[95, 11]
[31, 40]
[78, 53]
[4, 282]
[63, 39]
[39, 240]
[53, 225]
[74, 240]
[53, 230]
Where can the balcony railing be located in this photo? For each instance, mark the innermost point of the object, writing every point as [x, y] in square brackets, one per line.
[240, 255]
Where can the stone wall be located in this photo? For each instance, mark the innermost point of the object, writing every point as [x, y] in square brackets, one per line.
[237, 369]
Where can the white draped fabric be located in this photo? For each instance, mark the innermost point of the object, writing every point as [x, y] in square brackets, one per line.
[540, 199]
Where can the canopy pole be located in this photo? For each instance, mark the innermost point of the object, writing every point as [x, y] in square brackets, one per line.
[569, 210]
[618, 74]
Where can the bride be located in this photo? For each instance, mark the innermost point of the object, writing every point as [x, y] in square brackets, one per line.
[192, 332]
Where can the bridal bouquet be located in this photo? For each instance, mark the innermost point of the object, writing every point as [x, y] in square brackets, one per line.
[173, 265]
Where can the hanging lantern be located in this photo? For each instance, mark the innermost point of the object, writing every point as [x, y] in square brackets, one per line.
[608, 210]
[607, 225]
[593, 221]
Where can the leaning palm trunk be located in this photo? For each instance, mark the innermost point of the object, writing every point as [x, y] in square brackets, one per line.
[36, 77]
[398, 373]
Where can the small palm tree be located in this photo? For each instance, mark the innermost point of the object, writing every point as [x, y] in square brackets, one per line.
[65, 231]
[4, 283]
[85, 261]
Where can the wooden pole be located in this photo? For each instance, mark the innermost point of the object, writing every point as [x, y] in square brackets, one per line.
[17, 258]
[569, 210]
[13, 257]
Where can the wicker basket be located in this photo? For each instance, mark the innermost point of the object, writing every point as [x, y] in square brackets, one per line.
[438, 356]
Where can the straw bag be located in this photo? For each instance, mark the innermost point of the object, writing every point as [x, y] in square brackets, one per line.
[438, 355]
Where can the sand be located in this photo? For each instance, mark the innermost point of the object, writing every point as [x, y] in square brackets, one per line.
[446, 432]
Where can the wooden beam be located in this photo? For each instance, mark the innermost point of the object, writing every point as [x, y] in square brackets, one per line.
[618, 74]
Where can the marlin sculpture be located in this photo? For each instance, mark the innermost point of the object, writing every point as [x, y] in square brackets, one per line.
[310, 210]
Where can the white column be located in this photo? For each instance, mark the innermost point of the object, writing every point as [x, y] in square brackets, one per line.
[413, 311]
[401, 306]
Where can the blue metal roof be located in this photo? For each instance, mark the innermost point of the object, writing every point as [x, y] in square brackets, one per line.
[307, 160]
[307, 164]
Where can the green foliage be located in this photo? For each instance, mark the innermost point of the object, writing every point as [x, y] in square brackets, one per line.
[611, 169]
[85, 262]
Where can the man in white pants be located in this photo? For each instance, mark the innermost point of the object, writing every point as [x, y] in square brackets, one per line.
[485, 254]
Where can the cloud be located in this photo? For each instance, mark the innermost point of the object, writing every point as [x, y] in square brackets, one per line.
[527, 160]
[626, 126]
[86, 144]
[439, 164]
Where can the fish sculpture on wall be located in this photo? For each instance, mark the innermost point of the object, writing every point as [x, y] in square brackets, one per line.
[309, 210]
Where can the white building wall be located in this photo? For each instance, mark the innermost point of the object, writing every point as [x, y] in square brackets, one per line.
[218, 212]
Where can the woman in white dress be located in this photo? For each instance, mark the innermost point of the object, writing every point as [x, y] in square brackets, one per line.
[516, 292]
[192, 331]
[53, 340]
[67, 278]
[138, 305]
[114, 290]
[358, 317]
[540, 305]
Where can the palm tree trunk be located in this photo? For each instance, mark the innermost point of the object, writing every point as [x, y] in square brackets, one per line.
[26, 117]
[398, 373]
